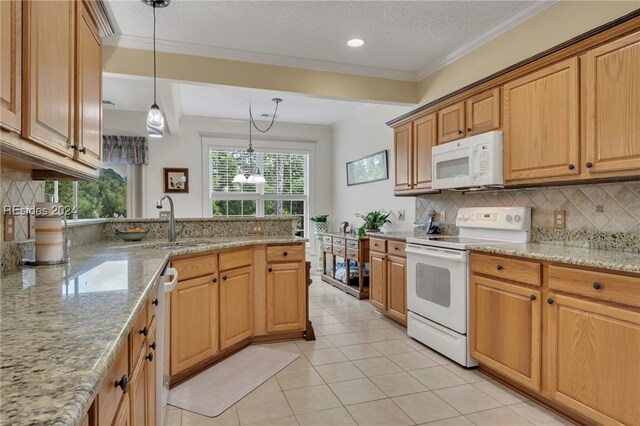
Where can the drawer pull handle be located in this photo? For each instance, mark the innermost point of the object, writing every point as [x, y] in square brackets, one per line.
[270, 269]
[122, 383]
[150, 356]
[145, 331]
[550, 301]
[285, 253]
[499, 267]
[155, 302]
[224, 278]
[532, 297]
[597, 285]
[153, 346]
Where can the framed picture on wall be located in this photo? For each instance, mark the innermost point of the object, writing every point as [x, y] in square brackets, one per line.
[370, 168]
[176, 180]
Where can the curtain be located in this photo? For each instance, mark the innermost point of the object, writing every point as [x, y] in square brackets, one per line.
[125, 149]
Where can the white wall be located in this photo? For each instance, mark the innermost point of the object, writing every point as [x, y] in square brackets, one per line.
[185, 150]
[357, 135]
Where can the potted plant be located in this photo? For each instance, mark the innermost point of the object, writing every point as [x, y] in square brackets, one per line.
[320, 223]
[374, 220]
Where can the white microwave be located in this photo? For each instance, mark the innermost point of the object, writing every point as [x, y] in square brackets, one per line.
[472, 162]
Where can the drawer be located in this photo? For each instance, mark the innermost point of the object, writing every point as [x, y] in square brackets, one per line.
[338, 241]
[236, 258]
[326, 239]
[110, 394]
[138, 332]
[396, 248]
[285, 253]
[522, 271]
[195, 267]
[378, 244]
[338, 250]
[352, 254]
[326, 247]
[600, 285]
[352, 244]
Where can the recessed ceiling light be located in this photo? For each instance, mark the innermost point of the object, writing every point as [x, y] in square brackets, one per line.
[355, 42]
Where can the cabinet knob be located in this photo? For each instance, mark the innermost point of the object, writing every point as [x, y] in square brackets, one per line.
[75, 147]
[122, 383]
[589, 165]
[224, 278]
[459, 132]
[270, 269]
[597, 285]
[150, 356]
[155, 302]
[499, 267]
[153, 346]
[532, 297]
[395, 248]
[145, 331]
[285, 254]
[83, 150]
[571, 167]
[550, 301]
[468, 129]
[214, 280]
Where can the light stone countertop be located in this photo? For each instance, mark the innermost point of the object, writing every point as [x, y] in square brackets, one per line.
[396, 235]
[62, 326]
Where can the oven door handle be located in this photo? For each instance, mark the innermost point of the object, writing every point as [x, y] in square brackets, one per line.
[439, 254]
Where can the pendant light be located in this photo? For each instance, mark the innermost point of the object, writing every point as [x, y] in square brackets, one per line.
[155, 120]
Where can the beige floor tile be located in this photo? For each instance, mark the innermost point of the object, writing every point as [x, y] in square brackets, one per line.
[370, 336]
[228, 418]
[300, 378]
[269, 386]
[315, 398]
[263, 406]
[412, 360]
[173, 416]
[345, 339]
[325, 356]
[323, 320]
[439, 358]
[283, 421]
[468, 375]
[283, 346]
[362, 351]
[379, 413]
[321, 342]
[397, 384]
[301, 362]
[453, 421]
[377, 366]
[391, 347]
[328, 329]
[500, 393]
[537, 414]
[436, 377]
[467, 399]
[425, 407]
[502, 416]
[338, 372]
[356, 391]
[397, 333]
[332, 417]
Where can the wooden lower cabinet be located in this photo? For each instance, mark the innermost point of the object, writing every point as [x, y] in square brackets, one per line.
[151, 365]
[506, 335]
[285, 297]
[594, 359]
[138, 392]
[122, 417]
[236, 306]
[388, 279]
[194, 328]
[397, 288]
[378, 280]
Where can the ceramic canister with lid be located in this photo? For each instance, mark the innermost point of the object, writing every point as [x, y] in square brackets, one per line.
[49, 235]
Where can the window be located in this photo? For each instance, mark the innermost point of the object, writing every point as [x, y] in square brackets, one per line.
[284, 192]
[105, 197]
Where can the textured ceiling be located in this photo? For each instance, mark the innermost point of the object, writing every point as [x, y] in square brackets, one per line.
[404, 39]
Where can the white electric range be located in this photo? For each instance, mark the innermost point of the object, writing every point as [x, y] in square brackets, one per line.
[438, 276]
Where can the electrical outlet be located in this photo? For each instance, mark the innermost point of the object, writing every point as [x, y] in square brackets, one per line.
[558, 219]
[256, 230]
[9, 227]
[164, 214]
[443, 216]
[401, 215]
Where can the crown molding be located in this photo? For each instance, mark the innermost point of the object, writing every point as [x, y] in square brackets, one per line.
[475, 42]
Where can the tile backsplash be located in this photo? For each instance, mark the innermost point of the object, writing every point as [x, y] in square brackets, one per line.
[19, 190]
[606, 207]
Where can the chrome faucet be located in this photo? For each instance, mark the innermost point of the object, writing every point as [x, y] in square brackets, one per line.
[172, 219]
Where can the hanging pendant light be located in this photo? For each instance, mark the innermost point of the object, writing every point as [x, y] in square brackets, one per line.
[155, 120]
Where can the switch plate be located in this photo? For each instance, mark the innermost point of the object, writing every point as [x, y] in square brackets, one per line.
[443, 216]
[9, 227]
[401, 215]
[558, 219]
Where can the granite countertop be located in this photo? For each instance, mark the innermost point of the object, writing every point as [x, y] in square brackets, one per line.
[62, 326]
[395, 235]
[622, 261]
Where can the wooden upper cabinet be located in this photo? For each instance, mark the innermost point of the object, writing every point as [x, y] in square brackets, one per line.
[88, 118]
[612, 112]
[11, 64]
[424, 139]
[541, 127]
[594, 359]
[236, 306]
[402, 138]
[48, 74]
[286, 297]
[397, 288]
[451, 123]
[483, 112]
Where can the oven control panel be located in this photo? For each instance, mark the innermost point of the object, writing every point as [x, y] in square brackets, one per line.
[512, 218]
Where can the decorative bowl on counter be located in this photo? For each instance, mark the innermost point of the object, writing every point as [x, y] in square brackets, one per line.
[133, 234]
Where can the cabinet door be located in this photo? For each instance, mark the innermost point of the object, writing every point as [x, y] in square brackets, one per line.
[152, 379]
[88, 88]
[194, 322]
[397, 288]
[505, 329]
[138, 392]
[594, 354]
[612, 89]
[483, 112]
[122, 417]
[402, 137]
[424, 139]
[378, 280]
[11, 64]
[49, 73]
[451, 123]
[236, 306]
[541, 126]
[286, 289]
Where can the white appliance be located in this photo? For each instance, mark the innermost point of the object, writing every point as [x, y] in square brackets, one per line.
[438, 276]
[472, 162]
[165, 283]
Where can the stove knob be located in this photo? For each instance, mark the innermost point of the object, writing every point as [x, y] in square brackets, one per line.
[508, 218]
[517, 218]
